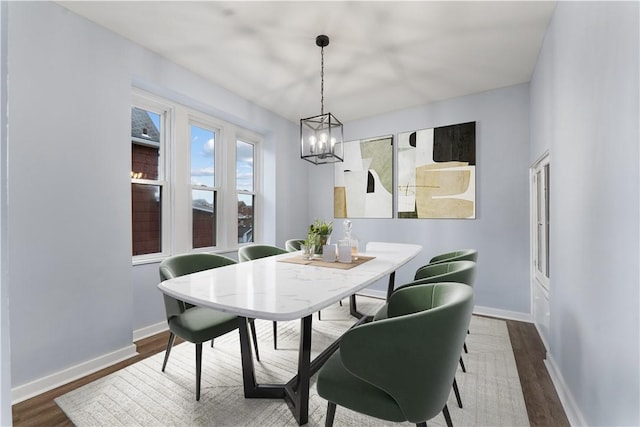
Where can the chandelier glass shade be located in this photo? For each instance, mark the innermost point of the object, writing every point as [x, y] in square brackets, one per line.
[321, 137]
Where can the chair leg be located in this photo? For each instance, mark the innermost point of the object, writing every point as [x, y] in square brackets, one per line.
[275, 335]
[422, 424]
[340, 303]
[331, 413]
[172, 338]
[465, 347]
[457, 392]
[319, 318]
[462, 365]
[252, 325]
[447, 417]
[212, 343]
[198, 368]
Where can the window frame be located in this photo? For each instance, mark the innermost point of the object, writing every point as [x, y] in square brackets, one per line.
[177, 218]
[540, 232]
[165, 110]
[207, 122]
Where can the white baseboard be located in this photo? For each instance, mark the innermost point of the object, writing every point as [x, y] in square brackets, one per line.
[569, 405]
[502, 314]
[148, 331]
[41, 385]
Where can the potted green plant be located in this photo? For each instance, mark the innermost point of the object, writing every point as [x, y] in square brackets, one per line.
[322, 230]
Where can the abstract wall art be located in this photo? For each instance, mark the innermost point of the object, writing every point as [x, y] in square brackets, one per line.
[363, 185]
[437, 172]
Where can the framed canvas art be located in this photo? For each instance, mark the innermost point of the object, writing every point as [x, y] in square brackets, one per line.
[437, 172]
[363, 184]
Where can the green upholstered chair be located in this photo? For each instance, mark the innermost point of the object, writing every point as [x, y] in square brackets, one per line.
[409, 377]
[192, 323]
[460, 271]
[293, 245]
[251, 252]
[454, 271]
[461, 255]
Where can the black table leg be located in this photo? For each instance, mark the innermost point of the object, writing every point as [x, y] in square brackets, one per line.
[251, 387]
[353, 310]
[296, 391]
[392, 280]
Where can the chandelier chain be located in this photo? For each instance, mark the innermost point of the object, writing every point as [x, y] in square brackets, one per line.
[322, 80]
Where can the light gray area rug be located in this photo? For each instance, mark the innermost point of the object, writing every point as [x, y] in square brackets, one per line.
[142, 395]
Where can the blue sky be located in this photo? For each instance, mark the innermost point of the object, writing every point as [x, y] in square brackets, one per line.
[203, 160]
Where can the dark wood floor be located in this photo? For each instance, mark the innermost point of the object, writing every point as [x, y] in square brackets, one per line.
[543, 405]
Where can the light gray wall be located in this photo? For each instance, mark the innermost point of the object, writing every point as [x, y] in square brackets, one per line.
[5, 342]
[74, 293]
[500, 230]
[584, 110]
[69, 264]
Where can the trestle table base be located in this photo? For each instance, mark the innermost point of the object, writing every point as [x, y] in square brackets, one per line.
[296, 391]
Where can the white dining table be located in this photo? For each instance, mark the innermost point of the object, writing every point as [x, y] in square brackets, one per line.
[271, 288]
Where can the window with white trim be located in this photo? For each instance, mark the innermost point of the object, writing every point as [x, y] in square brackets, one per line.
[194, 180]
[203, 186]
[149, 186]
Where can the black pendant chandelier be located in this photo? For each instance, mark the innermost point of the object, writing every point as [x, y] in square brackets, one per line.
[321, 137]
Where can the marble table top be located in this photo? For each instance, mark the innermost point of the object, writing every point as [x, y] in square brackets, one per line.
[268, 289]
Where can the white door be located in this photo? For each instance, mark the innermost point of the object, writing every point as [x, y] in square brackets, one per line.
[540, 282]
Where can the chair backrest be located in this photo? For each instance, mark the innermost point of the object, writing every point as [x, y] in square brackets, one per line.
[453, 271]
[247, 253]
[180, 265]
[461, 255]
[293, 245]
[413, 354]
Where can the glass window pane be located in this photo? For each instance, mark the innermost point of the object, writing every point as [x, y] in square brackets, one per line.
[202, 156]
[144, 161]
[546, 216]
[244, 166]
[204, 218]
[147, 227]
[145, 124]
[245, 218]
[145, 144]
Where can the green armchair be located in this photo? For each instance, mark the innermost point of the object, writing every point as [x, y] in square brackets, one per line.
[454, 271]
[293, 245]
[461, 271]
[250, 252]
[409, 377]
[192, 323]
[461, 255]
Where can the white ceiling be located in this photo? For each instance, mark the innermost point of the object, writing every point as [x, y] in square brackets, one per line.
[383, 55]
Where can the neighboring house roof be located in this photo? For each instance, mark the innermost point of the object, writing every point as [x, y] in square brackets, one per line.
[142, 126]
